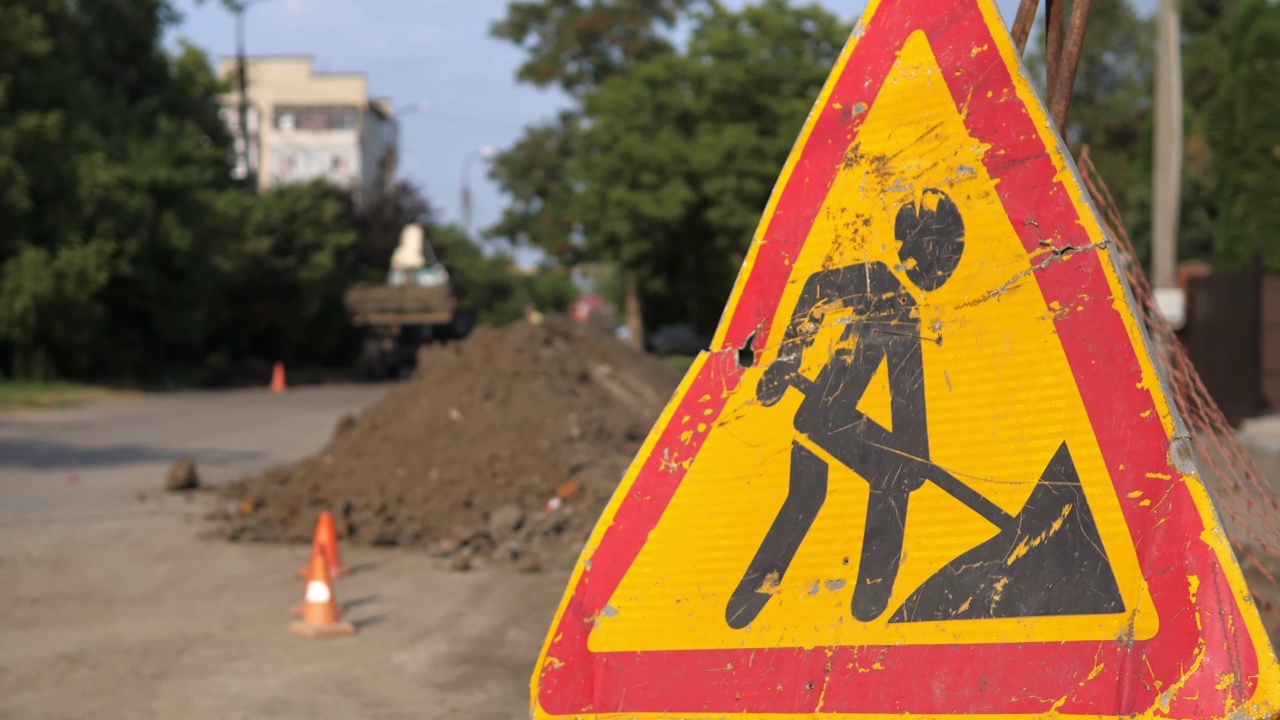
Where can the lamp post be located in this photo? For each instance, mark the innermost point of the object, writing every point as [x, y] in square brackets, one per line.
[238, 8]
[397, 143]
[484, 153]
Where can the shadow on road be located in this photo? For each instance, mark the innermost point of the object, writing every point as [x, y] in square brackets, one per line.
[363, 623]
[361, 567]
[354, 603]
[51, 455]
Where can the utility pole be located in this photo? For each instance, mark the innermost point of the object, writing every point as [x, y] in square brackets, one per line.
[397, 147]
[238, 8]
[465, 199]
[242, 78]
[1168, 149]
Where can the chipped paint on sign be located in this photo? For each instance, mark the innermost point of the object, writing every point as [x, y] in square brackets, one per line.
[946, 483]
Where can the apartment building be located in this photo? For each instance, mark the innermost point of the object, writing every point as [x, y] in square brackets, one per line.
[305, 125]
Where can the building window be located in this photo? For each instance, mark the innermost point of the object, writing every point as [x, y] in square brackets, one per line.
[315, 117]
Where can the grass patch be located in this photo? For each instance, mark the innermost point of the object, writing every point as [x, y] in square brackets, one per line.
[28, 395]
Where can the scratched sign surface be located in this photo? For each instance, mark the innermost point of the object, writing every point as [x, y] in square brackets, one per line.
[928, 466]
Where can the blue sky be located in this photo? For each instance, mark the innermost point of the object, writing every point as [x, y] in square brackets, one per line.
[433, 51]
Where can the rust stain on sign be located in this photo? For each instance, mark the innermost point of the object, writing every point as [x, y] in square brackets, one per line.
[929, 467]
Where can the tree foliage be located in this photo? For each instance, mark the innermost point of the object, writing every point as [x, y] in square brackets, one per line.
[668, 157]
[579, 44]
[1111, 111]
[1111, 106]
[489, 283]
[1245, 137]
[573, 45]
[680, 154]
[665, 161]
[534, 175]
[112, 155]
[128, 251]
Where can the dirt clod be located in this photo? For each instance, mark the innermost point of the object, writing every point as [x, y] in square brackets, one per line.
[528, 564]
[505, 521]
[470, 453]
[182, 476]
[344, 425]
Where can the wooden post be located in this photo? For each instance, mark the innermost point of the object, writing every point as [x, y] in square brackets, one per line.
[635, 319]
[1168, 149]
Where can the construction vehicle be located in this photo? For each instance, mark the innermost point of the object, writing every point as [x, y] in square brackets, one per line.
[415, 307]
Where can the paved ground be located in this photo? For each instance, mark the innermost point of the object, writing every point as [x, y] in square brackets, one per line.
[111, 607]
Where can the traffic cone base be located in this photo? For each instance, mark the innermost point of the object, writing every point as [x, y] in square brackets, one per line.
[321, 616]
[298, 609]
[333, 629]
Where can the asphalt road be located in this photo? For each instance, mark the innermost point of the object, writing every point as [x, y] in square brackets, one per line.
[112, 606]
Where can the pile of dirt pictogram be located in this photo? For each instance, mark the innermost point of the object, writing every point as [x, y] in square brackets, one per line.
[506, 445]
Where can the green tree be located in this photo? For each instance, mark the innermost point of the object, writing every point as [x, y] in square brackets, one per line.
[573, 45]
[1111, 112]
[281, 277]
[1245, 138]
[1206, 30]
[128, 251]
[1111, 107]
[489, 285]
[46, 303]
[680, 154]
[578, 44]
[111, 152]
[534, 173]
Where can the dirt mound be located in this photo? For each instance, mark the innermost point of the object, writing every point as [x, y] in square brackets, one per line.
[507, 444]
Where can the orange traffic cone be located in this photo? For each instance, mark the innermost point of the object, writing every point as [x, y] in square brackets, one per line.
[317, 550]
[277, 378]
[320, 614]
[325, 542]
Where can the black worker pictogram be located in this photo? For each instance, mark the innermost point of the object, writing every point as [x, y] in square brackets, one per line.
[1051, 543]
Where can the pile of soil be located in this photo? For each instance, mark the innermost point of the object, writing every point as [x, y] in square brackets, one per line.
[505, 445]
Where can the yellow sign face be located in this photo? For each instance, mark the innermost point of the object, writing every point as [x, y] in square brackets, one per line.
[928, 468]
[1000, 399]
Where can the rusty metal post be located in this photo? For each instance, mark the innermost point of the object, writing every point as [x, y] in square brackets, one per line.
[1053, 22]
[1022, 23]
[1068, 63]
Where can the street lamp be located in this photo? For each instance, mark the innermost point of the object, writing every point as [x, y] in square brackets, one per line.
[484, 153]
[238, 8]
[397, 142]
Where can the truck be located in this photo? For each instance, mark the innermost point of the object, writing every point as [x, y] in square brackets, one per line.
[416, 306]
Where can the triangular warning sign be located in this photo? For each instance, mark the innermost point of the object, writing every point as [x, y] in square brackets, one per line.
[948, 484]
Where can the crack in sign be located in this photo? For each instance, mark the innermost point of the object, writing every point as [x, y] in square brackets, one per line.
[1055, 254]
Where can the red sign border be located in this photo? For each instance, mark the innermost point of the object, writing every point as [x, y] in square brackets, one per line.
[1072, 678]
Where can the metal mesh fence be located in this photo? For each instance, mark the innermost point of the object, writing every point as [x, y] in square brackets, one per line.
[1247, 502]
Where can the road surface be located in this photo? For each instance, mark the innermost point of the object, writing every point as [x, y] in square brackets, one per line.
[113, 607]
